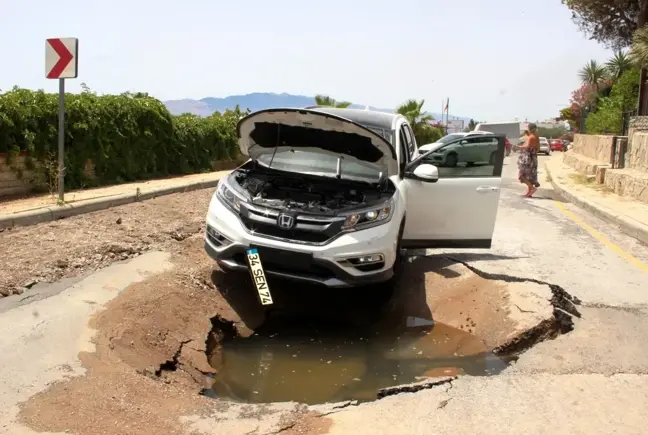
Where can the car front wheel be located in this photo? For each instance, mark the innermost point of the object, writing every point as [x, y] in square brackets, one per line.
[452, 160]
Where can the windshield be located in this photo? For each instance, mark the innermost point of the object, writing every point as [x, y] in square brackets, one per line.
[450, 138]
[387, 134]
[314, 163]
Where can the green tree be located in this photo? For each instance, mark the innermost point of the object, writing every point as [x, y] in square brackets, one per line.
[593, 74]
[412, 110]
[567, 114]
[618, 64]
[639, 50]
[610, 22]
[608, 117]
[324, 100]
[428, 134]
[551, 133]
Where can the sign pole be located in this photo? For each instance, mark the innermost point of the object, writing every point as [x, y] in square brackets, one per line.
[61, 139]
[61, 62]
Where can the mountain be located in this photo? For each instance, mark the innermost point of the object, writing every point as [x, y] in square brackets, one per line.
[256, 101]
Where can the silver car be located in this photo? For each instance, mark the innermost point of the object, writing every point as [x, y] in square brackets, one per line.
[544, 146]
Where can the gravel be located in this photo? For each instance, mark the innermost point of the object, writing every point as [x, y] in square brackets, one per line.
[69, 247]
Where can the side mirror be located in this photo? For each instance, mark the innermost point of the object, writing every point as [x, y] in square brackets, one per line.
[425, 172]
[463, 142]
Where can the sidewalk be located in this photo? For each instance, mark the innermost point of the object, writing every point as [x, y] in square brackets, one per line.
[629, 215]
[43, 208]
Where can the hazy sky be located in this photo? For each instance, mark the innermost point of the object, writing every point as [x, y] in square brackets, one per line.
[495, 59]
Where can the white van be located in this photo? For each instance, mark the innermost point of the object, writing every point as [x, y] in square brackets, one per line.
[510, 129]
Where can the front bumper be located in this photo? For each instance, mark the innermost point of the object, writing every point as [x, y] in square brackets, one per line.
[227, 239]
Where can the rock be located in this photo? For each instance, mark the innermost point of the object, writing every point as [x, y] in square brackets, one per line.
[62, 264]
[118, 221]
[30, 283]
[5, 292]
[19, 290]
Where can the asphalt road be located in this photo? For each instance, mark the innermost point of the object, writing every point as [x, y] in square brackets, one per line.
[591, 380]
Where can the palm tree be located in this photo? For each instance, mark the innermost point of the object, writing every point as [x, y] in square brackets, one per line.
[324, 100]
[618, 64]
[593, 74]
[412, 110]
[639, 50]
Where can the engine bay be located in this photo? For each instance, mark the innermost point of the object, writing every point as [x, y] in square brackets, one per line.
[310, 194]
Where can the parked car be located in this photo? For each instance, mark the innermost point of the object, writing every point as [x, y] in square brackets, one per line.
[545, 148]
[557, 145]
[334, 197]
[468, 148]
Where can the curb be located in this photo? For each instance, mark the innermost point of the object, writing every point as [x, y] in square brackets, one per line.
[627, 225]
[52, 213]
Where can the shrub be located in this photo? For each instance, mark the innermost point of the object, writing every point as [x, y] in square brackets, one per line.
[608, 118]
[128, 137]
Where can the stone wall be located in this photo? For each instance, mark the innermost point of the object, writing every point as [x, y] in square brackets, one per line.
[637, 154]
[15, 178]
[595, 147]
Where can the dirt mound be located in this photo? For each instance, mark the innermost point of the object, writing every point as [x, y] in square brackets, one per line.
[150, 360]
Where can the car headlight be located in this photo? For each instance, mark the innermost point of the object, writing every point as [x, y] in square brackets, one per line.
[228, 197]
[370, 217]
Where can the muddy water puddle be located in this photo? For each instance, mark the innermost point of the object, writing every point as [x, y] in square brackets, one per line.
[318, 364]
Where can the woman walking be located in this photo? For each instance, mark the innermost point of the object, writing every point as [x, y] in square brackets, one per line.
[528, 162]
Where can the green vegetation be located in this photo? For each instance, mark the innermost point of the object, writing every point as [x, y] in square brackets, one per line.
[639, 51]
[324, 100]
[126, 137]
[610, 22]
[607, 96]
[593, 74]
[608, 117]
[420, 121]
[552, 133]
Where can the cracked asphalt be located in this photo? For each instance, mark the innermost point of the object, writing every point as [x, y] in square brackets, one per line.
[591, 380]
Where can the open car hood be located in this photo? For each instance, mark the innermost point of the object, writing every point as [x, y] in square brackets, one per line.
[310, 130]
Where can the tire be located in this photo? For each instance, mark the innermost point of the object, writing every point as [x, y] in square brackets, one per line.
[492, 158]
[452, 160]
[399, 262]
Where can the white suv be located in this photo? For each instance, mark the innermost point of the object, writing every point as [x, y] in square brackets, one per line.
[334, 196]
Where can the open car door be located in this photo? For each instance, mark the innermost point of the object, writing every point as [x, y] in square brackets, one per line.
[451, 202]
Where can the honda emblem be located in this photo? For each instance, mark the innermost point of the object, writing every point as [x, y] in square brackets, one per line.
[285, 221]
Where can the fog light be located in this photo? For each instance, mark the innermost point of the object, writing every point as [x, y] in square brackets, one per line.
[363, 260]
[369, 259]
[216, 237]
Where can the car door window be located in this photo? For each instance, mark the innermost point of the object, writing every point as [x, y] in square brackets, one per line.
[475, 156]
[404, 155]
[411, 142]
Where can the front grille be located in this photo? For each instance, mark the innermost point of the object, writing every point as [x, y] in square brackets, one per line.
[308, 228]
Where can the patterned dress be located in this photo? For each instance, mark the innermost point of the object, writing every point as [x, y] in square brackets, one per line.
[528, 166]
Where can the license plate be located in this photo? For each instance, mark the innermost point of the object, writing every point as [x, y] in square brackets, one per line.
[258, 276]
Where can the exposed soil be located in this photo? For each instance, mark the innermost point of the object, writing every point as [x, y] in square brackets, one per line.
[50, 251]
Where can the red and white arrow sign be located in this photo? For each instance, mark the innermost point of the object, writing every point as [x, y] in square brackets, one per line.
[61, 58]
